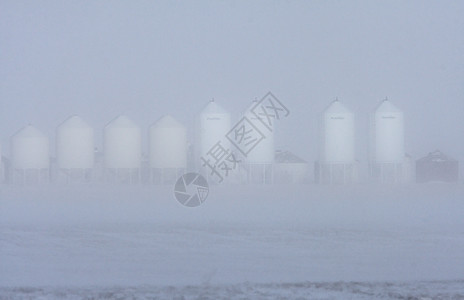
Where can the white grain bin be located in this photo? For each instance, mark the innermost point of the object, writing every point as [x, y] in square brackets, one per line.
[75, 144]
[74, 151]
[212, 125]
[387, 153]
[167, 149]
[122, 149]
[337, 153]
[260, 159]
[387, 134]
[30, 156]
[337, 134]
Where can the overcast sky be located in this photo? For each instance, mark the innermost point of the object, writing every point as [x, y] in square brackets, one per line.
[99, 59]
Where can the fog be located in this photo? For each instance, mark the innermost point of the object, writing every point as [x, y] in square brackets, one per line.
[258, 242]
[146, 59]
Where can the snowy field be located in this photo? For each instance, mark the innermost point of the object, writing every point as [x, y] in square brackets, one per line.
[244, 242]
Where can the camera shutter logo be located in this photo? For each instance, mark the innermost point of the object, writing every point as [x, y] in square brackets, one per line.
[191, 189]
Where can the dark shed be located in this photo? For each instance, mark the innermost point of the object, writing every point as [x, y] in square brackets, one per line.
[437, 166]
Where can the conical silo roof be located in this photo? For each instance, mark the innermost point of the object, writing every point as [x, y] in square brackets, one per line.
[213, 108]
[122, 121]
[167, 121]
[336, 107]
[74, 122]
[28, 131]
[387, 107]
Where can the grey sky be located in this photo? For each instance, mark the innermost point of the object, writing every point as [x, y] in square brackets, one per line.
[99, 59]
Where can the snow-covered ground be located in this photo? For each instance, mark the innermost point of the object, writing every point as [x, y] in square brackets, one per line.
[290, 241]
[302, 290]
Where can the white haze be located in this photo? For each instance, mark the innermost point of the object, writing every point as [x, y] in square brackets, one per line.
[121, 242]
[147, 59]
[99, 59]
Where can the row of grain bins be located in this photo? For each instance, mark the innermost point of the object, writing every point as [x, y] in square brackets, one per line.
[169, 155]
[77, 159]
[388, 162]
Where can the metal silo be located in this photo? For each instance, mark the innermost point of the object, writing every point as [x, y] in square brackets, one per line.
[122, 150]
[212, 125]
[337, 159]
[30, 156]
[260, 160]
[167, 150]
[387, 154]
[388, 134]
[75, 149]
